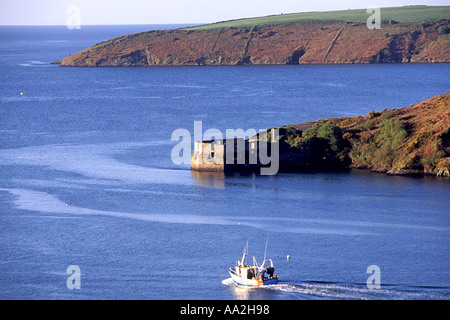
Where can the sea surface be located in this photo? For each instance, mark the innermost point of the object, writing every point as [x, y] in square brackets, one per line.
[86, 179]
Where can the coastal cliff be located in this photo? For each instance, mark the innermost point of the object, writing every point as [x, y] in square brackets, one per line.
[297, 42]
[405, 141]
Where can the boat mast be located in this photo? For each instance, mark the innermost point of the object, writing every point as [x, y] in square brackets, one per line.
[244, 254]
[265, 252]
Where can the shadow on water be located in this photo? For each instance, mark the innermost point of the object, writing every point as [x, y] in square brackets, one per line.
[222, 179]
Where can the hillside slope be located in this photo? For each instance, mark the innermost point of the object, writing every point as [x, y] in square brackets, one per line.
[300, 42]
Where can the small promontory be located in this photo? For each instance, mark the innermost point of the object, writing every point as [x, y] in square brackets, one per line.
[405, 141]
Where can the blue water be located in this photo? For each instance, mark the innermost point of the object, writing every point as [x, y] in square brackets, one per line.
[86, 179]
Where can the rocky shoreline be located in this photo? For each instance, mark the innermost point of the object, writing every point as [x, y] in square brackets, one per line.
[406, 172]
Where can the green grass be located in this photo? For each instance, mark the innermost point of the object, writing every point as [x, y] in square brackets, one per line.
[399, 14]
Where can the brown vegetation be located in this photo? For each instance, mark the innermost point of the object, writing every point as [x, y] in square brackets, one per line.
[414, 140]
[288, 43]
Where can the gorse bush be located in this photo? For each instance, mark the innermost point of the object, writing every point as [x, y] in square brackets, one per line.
[289, 136]
[443, 142]
[332, 133]
[379, 147]
[392, 132]
[338, 147]
[329, 132]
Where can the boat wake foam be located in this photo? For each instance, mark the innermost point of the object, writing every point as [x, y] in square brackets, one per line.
[229, 282]
[343, 291]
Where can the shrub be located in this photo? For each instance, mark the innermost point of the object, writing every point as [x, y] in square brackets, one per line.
[389, 136]
[444, 29]
[391, 132]
[443, 142]
[332, 133]
[338, 146]
[366, 125]
[289, 136]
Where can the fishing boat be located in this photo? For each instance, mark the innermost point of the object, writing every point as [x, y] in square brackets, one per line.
[253, 275]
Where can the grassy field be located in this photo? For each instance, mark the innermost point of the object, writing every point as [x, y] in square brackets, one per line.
[399, 14]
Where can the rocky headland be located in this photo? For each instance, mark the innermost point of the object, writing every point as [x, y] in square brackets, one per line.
[294, 41]
[405, 141]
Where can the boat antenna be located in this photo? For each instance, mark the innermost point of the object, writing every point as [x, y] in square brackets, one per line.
[244, 254]
[265, 251]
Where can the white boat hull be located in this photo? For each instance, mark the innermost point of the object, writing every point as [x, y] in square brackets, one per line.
[254, 282]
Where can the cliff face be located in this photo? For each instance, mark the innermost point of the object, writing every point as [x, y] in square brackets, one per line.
[288, 43]
[414, 140]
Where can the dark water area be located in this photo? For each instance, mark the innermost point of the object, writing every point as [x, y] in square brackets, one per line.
[86, 179]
